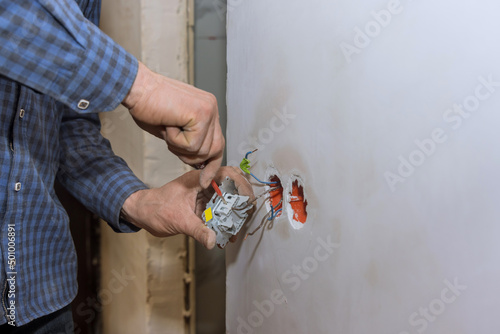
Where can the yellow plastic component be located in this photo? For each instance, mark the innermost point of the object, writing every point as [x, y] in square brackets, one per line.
[208, 215]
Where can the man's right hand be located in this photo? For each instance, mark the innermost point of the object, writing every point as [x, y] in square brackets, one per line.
[177, 206]
[186, 117]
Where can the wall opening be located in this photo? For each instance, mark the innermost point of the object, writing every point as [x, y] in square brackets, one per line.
[276, 196]
[297, 203]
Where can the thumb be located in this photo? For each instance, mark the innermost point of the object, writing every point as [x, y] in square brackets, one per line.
[195, 227]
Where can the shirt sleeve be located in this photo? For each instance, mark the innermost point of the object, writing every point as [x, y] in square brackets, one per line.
[49, 46]
[90, 170]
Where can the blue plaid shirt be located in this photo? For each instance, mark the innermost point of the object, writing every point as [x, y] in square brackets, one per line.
[57, 69]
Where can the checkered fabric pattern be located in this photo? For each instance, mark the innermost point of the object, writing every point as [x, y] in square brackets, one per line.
[50, 51]
[50, 46]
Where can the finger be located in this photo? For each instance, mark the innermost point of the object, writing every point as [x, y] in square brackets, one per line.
[186, 141]
[241, 183]
[192, 159]
[155, 130]
[196, 228]
[206, 151]
[188, 158]
[208, 173]
[244, 187]
[202, 199]
[174, 136]
[191, 180]
[214, 161]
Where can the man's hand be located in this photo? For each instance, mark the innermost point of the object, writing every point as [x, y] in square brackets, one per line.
[186, 117]
[176, 207]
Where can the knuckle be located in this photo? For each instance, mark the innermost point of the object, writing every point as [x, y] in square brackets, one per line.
[212, 99]
[204, 151]
[196, 146]
[209, 105]
[219, 146]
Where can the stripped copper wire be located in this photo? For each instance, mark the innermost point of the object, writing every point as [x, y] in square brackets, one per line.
[265, 219]
[256, 198]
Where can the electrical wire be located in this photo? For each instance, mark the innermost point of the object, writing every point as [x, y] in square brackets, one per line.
[265, 193]
[257, 198]
[258, 228]
[264, 220]
[255, 177]
[273, 213]
[276, 213]
[263, 182]
[218, 191]
[250, 152]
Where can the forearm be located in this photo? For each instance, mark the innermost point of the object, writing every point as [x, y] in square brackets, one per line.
[51, 47]
[91, 172]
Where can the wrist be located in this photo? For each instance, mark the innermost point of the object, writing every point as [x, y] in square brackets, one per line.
[130, 208]
[142, 84]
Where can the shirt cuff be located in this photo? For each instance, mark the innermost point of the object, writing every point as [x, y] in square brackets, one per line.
[104, 77]
[51, 47]
[121, 186]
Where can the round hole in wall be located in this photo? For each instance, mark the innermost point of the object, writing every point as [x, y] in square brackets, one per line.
[276, 196]
[297, 203]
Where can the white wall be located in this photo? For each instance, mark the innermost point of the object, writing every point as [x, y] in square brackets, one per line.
[398, 248]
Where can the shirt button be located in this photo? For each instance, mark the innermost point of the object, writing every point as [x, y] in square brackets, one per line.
[17, 186]
[21, 113]
[83, 104]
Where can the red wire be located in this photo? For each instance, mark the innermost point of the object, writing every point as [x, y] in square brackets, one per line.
[216, 188]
